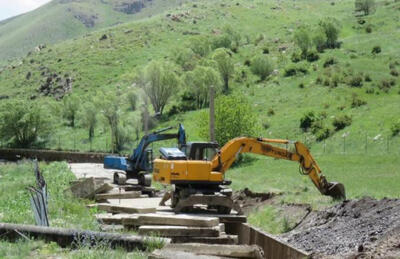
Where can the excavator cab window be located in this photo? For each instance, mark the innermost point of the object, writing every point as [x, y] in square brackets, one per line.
[200, 150]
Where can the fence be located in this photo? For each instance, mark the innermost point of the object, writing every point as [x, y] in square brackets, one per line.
[344, 143]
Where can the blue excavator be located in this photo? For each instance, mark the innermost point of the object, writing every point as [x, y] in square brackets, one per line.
[140, 164]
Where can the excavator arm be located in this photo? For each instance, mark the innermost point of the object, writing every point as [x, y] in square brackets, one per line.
[263, 146]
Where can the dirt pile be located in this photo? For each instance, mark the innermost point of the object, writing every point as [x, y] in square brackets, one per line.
[249, 200]
[360, 228]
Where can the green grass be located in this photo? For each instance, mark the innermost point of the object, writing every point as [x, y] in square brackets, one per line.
[56, 22]
[64, 211]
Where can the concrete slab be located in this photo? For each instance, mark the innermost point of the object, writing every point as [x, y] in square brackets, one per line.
[114, 219]
[223, 239]
[118, 195]
[235, 251]
[172, 254]
[85, 170]
[179, 231]
[177, 220]
[124, 209]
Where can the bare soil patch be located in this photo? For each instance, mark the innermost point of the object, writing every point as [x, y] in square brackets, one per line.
[364, 228]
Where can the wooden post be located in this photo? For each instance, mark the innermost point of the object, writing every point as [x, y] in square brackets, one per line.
[212, 115]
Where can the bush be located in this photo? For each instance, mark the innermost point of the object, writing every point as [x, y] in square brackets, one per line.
[307, 121]
[394, 72]
[222, 41]
[366, 6]
[370, 90]
[303, 40]
[356, 81]
[368, 29]
[132, 100]
[341, 122]
[323, 133]
[319, 41]
[296, 57]
[331, 29]
[395, 128]
[24, 124]
[386, 84]
[356, 101]
[312, 56]
[367, 78]
[270, 112]
[261, 66]
[330, 61]
[376, 50]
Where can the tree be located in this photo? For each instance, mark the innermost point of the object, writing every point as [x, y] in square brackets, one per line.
[200, 45]
[319, 41]
[261, 66]
[23, 123]
[303, 40]
[72, 104]
[88, 116]
[160, 83]
[234, 117]
[331, 29]
[199, 82]
[110, 109]
[132, 99]
[366, 6]
[225, 66]
[185, 58]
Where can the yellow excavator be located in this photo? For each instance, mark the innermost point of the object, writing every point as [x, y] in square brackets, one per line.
[197, 170]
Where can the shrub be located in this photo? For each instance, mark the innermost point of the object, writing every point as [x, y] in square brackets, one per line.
[356, 101]
[386, 84]
[265, 50]
[222, 41]
[303, 40]
[376, 50]
[366, 6]
[72, 104]
[367, 78]
[395, 128]
[307, 121]
[330, 61]
[296, 57]
[394, 72]
[323, 133]
[370, 90]
[247, 62]
[312, 56]
[132, 100]
[356, 81]
[319, 41]
[24, 124]
[261, 66]
[301, 85]
[331, 29]
[341, 122]
[318, 80]
[368, 29]
[270, 112]
[266, 125]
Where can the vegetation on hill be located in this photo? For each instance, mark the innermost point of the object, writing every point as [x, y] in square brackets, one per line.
[66, 19]
[342, 68]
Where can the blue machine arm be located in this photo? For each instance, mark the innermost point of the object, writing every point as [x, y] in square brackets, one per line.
[138, 160]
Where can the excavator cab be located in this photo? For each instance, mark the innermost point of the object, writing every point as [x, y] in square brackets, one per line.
[200, 150]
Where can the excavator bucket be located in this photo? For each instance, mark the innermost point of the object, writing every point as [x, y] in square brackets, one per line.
[336, 191]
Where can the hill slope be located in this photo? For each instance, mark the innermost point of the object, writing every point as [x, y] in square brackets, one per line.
[65, 19]
[95, 63]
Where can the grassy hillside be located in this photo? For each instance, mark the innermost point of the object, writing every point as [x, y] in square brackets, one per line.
[66, 19]
[97, 64]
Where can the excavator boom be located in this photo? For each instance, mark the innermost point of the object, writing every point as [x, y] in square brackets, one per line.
[262, 146]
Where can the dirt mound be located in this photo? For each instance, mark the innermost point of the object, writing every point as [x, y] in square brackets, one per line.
[351, 228]
[249, 200]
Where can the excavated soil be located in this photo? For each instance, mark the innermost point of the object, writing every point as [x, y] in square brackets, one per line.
[249, 200]
[364, 228]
